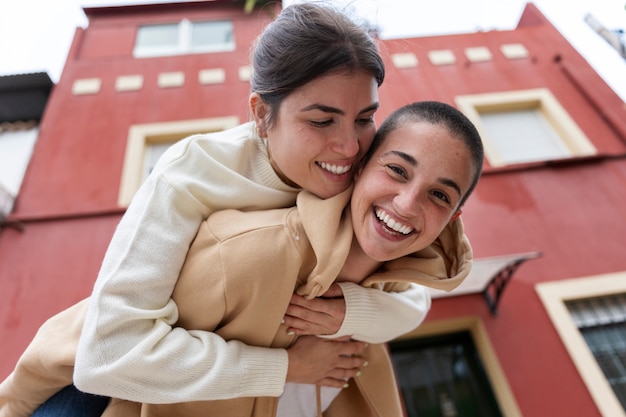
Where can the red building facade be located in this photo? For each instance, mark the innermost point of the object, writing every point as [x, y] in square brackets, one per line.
[558, 211]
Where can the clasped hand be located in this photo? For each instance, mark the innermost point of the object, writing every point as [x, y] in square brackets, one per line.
[321, 316]
[312, 360]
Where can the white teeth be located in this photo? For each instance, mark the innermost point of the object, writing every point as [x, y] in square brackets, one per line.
[335, 169]
[392, 224]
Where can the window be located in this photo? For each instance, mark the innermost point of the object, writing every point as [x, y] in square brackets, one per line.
[602, 322]
[443, 376]
[590, 316]
[532, 139]
[16, 148]
[185, 37]
[153, 152]
[146, 143]
[524, 126]
[449, 368]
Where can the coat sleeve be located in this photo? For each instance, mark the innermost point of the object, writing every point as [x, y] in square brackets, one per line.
[46, 366]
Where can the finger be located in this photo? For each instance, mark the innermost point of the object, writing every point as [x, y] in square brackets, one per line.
[316, 305]
[304, 313]
[315, 317]
[298, 300]
[344, 374]
[333, 292]
[352, 348]
[348, 366]
[333, 383]
[301, 327]
[296, 310]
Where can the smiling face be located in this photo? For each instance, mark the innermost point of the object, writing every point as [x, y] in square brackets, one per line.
[410, 190]
[321, 131]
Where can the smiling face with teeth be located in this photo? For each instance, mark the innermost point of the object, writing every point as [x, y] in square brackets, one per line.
[321, 131]
[410, 190]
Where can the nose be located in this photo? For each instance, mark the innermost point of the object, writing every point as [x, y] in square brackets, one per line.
[408, 201]
[347, 143]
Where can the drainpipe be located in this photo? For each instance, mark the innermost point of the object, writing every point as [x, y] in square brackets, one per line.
[615, 38]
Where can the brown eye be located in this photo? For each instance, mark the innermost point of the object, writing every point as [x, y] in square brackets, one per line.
[322, 123]
[365, 120]
[397, 170]
[441, 196]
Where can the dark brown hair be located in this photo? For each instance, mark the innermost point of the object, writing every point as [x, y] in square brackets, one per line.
[307, 41]
[435, 113]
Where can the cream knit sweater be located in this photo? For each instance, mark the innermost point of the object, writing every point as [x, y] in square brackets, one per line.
[128, 348]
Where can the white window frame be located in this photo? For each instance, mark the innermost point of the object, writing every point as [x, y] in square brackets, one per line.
[571, 136]
[554, 296]
[141, 136]
[184, 45]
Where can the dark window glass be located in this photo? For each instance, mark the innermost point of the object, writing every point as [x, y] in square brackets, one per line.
[442, 376]
[602, 322]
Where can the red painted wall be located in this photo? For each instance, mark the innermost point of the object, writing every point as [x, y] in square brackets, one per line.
[68, 201]
[571, 212]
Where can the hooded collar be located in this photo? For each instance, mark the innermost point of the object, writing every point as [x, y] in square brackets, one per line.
[443, 265]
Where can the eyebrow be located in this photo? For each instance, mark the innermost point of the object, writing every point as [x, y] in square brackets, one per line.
[451, 184]
[329, 109]
[413, 162]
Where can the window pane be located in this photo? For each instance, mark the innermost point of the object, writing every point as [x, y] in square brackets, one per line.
[152, 155]
[184, 37]
[158, 36]
[212, 36]
[602, 324]
[158, 40]
[523, 136]
[443, 376]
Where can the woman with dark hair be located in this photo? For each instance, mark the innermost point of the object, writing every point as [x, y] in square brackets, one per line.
[314, 93]
[399, 225]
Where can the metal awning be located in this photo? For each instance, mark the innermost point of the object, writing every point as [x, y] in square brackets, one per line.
[489, 276]
[24, 97]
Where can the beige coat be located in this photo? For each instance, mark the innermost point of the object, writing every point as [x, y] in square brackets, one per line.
[261, 258]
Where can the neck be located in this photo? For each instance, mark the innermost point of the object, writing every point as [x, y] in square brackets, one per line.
[358, 265]
[274, 166]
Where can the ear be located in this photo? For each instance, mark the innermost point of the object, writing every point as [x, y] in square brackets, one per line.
[259, 111]
[456, 215]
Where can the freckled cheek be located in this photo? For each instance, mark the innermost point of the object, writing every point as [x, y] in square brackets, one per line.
[437, 226]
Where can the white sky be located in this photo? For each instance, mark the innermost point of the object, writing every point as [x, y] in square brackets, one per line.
[35, 35]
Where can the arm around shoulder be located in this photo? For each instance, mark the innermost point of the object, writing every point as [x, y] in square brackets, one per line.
[377, 316]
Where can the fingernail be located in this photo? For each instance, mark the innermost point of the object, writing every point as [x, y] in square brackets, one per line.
[366, 363]
[282, 321]
[290, 333]
[359, 373]
[346, 385]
